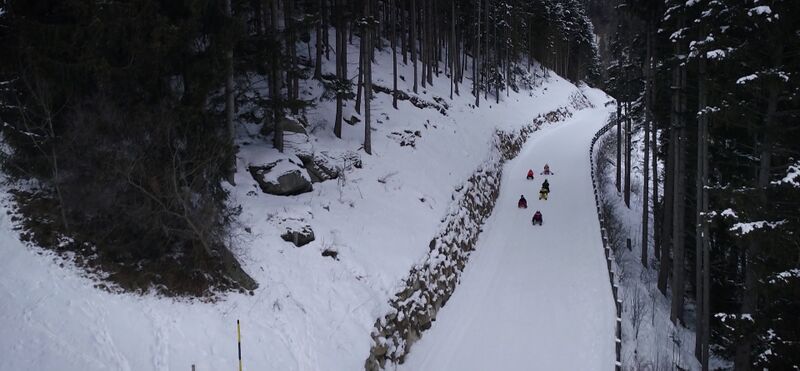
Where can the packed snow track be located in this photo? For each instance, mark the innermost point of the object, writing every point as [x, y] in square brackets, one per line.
[533, 297]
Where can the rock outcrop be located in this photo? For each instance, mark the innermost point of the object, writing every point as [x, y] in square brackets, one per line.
[298, 236]
[284, 177]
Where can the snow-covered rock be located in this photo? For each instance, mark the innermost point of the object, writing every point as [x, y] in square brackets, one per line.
[319, 167]
[284, 177]
[298, 236]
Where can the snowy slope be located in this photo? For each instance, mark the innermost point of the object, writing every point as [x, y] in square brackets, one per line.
[533, 298]
[310, 312]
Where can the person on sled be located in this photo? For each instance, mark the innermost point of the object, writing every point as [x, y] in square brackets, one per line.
[546, 185]
[523, 203]
[544, 192]
[530, 174]
[547, 170]
[537, 218]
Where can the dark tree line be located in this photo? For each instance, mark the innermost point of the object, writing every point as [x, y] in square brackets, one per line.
[715, 84]
[106, 108]
[124, 113]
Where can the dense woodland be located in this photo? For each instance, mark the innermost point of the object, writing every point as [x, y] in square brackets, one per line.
[713, 85]
[121, 115]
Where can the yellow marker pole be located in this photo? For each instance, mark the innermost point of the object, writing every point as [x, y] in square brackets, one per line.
[239, 342]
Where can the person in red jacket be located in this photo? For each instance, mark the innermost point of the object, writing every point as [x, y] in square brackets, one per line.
[537, 218]
[523, 203]
[530, 174]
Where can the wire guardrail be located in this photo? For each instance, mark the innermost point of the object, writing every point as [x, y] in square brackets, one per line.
[612, 275]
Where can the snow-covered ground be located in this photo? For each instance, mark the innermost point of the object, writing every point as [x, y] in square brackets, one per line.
[533, 297]
[311, 312]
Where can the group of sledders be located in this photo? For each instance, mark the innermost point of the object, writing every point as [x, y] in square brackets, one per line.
[543, 193]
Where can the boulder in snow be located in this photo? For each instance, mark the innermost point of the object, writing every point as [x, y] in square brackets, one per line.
[284, 177]
[319, 168]
[298, 236]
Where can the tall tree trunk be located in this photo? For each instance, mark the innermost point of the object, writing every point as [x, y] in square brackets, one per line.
[431, 36]
[487, 58]
[275, 82]
[701, 236]
[529, 36]
[668, 252]
[367, 61]
[744, 346]
[507, 66]
[476, 62]
[706, 309]
[361, 62]
[413, 40]
[463, 57]
[341, 65]
[628, 135]
[437, 39]
[403, 34]
[351, 5]
[325, 24]
[654, 166]
[258, 16]
[452, 52]
[498, 66]
[679, 200]
[375, 38]
[229, 104]
[654, 187]
[648, 122]
[319, 44]
[456, 69]
[676, 314]
[291, 51]
[393, 7]
[346, 31]
[423, 43]
[668, 205]
[654, 134]
[619, 147]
